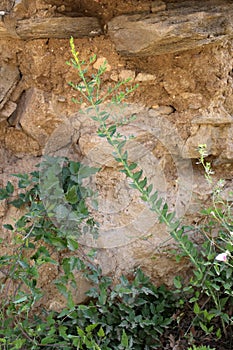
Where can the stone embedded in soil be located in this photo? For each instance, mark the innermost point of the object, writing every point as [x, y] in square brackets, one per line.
[145, 77]
[127, 74]
[36, 115]
[3, 207]
[213, 129]
[20, 144]
[214, 119]
[3, 29]
[173, 30]
[58, 27]
[7, 110]
[9, 76]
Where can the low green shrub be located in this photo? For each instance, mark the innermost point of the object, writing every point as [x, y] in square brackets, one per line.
[36, 237]
[133, 314]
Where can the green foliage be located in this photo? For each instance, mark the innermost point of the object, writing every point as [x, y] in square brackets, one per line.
[132, 314]
[37, 235]
[210, 290]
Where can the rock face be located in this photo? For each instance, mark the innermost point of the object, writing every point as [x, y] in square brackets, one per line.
[63, 27]
[36, 115]
[9, 77]
[181, 55]
[215, 128]
[172, 30]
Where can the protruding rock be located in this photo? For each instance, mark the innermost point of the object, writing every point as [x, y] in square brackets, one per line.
[173, 30]
[214, 130]
[58, 27]
[8, 109]
[127, 74]
[9, 76]
[213, 119]
[36, 115]
[145, 77]
[18, 142]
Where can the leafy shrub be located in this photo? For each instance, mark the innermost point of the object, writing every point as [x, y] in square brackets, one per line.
[36, 236]
[132, 313]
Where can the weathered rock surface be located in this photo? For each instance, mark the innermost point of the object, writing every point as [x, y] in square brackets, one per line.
[190, 26]
[36, 115]
[9, 77]
[18, 143]
[59, 27]
[7, 110]
[213, 129]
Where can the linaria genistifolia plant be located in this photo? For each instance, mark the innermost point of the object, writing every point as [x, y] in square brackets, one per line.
[210, 279]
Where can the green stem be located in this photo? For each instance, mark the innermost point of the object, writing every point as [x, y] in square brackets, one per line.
[112, 141]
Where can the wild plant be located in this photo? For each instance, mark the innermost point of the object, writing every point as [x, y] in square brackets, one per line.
[210, 289]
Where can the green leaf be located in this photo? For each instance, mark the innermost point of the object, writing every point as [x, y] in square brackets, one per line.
[20, 300]
[47, 340]
[3, 194]
[9, 187]
[101, 333]
[143, 183]
[57, 242]
[205, 329]
[74, 167]
[62, 288]
[81, 333]
[86, 171]
[62, 332]
[18, 203]
[177, 282]
[196, 309]
[124, 340]
[72, 196]
[120, 145]
[92, 58]
[137, 175]
[154, 197]
[170, 216]
[91, 327]
[132, 166]
[72, 244]
[8, 227]
[149, 189]
[61, 212]
[165, 209]
[218, 334]
[112, 130]
[70, 302]
[158, 203]
[125, 156]
[18, 343]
